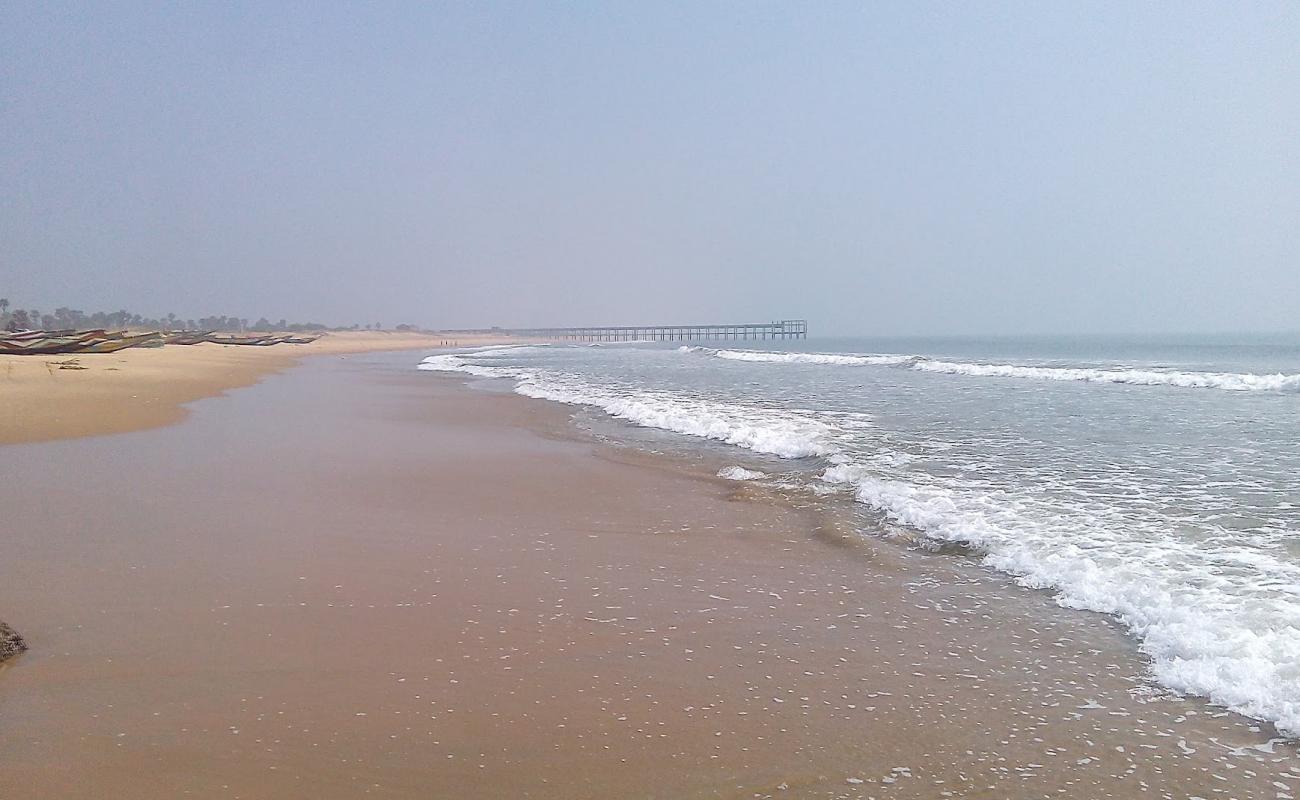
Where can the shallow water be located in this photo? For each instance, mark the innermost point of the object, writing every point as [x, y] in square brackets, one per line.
[1152, 480]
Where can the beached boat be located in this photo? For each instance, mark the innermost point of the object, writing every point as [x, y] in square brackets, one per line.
[186, 337]
[41, 347]
[47, 345]
[31, 336]
[100, 341]
[253, 341]
[120, 343]
[94, 341]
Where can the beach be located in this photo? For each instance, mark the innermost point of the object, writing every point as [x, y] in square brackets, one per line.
[353, 578]
[57, 397]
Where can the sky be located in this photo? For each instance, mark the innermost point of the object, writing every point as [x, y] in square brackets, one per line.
[876, 168]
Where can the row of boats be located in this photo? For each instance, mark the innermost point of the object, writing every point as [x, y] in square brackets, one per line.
[31, 343]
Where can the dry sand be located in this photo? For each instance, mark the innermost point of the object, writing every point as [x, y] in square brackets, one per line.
[60, 397]
[357, 580]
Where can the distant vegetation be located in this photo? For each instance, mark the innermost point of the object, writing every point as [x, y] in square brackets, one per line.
[65, 318]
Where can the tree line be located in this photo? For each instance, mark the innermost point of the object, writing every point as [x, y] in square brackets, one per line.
[72, 318]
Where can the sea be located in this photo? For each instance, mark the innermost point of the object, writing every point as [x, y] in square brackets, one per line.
[1154, 480]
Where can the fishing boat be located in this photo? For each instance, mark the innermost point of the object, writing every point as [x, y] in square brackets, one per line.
[121, 343]
[41, 347]
[48, 345]
[186, 337]
[94, 341]
[254, 341]
[29, 336]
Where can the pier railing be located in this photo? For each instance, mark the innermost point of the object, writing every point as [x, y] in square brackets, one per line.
[784, 329]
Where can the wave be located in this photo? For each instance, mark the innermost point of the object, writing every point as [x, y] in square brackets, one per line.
[739, 473]
[1216, 621]
[1216, 618]
[813, 358]
[1228, 381]
[788, 436]
[451, 362]
[780, 433]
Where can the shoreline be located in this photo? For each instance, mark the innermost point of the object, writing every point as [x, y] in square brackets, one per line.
[381, 579]
[45, 398]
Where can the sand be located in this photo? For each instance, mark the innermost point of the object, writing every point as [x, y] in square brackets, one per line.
[355, 579]
[58, 397]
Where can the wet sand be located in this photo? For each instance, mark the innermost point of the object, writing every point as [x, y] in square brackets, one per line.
[354, 579]
[66, 396]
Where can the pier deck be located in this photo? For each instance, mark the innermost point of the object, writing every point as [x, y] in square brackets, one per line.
[784, 329]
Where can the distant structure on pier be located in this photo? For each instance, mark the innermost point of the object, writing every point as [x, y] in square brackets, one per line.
[785, 329]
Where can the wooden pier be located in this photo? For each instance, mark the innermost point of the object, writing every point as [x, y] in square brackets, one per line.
[785, 329]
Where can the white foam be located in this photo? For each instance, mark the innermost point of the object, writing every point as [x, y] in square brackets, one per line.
[452, 362]
[1228, 381]
[738, 473]
[502, 350]
[1215, 621]
[1216, 618]
[785, 435]
[782, 433]
[838, 359]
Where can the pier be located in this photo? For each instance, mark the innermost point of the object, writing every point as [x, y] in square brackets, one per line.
[784, 329]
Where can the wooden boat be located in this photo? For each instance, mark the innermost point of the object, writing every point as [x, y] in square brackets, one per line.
[29, 336]
[300, 339]
[42, 347]
[120, 343]
[254, 341]
[22, 336]
[186, 337]
[48, 345]
[97, 341]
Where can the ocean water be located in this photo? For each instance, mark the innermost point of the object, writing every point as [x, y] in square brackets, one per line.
[1156, 481]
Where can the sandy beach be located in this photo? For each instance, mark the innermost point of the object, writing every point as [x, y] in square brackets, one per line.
[58, 397]
[863, 401]
[354, 579]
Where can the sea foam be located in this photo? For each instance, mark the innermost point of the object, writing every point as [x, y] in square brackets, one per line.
[1216, 619]
[764, 356]
[840, 359]
[738, 473]
[451, 362]
[781, 433]
[1228, 381]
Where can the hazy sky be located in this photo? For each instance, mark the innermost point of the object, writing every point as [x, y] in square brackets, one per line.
[876, 168]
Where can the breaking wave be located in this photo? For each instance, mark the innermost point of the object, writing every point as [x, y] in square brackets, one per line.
[780, 433]
[840, 359]
[1216, 620]
[738, 473]
[1216, 617]
[1228, 381]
